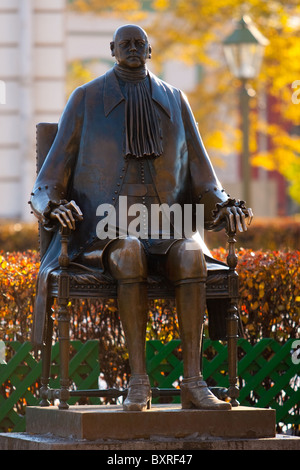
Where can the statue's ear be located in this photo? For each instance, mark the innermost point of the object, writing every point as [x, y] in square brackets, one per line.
[150, 51]
[112, 48]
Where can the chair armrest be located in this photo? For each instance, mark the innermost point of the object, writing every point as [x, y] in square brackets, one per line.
[232, 258]
[63, 258]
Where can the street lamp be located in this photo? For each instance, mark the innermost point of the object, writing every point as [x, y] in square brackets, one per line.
[244, 50]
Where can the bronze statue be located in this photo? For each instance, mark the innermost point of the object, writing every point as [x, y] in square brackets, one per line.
[127, 133]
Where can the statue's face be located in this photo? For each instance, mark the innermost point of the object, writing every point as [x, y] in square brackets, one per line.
[130, 47]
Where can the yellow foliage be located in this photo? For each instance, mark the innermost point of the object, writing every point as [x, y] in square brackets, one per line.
[161, 4]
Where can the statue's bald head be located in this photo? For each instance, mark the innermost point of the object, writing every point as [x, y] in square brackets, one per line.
[130, 46]
[129, 28]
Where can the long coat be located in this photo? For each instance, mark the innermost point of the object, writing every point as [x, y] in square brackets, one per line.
[86, 164]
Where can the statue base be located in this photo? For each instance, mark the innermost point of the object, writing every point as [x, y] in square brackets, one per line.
[163, 428]
[111, 422]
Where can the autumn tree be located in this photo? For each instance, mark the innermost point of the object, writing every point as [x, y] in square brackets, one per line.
[193, 31]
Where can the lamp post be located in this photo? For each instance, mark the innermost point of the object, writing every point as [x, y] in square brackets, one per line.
[244, 50]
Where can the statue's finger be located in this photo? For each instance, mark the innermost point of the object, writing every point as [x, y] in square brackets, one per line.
[57, 215]
[232, 220]
[250, 216]
[76, 207]
[242, 219]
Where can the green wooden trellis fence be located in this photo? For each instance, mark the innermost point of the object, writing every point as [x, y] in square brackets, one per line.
[19, 378]
[268, 377]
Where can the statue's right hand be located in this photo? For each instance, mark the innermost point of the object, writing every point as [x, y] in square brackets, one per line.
[67, 214]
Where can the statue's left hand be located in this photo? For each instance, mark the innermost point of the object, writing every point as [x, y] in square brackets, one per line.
[235, 218]
[67, 214]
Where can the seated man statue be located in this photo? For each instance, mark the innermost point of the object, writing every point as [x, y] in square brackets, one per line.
[128, 133]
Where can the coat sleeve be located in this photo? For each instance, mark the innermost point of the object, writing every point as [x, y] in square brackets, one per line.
[205, 186]
[52, 183]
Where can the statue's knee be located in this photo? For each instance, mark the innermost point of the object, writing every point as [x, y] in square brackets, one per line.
[185, 262]
[126, 259]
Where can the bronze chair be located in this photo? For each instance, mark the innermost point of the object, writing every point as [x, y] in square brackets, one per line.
[69, 282]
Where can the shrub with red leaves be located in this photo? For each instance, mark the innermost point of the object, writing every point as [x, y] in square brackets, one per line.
[269, 293]
[269, 305]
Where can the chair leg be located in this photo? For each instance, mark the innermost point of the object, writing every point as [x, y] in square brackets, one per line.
[201, 351]
[46, 361]
[64, 340]
[232, 337]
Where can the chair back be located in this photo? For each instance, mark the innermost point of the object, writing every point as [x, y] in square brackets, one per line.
[45, 135]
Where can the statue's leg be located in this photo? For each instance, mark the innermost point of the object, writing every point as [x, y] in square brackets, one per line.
[127, 263]
[187, 269]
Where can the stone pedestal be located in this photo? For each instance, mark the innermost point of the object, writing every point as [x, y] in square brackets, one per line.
[111, 422]
[164, 428]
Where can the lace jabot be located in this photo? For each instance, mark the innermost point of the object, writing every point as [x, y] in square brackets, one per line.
[142, 121]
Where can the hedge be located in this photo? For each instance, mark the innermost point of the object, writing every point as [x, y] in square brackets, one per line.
[264, 234]
[269, 299]
[18, 236]
[269, 293]
[281, 233]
